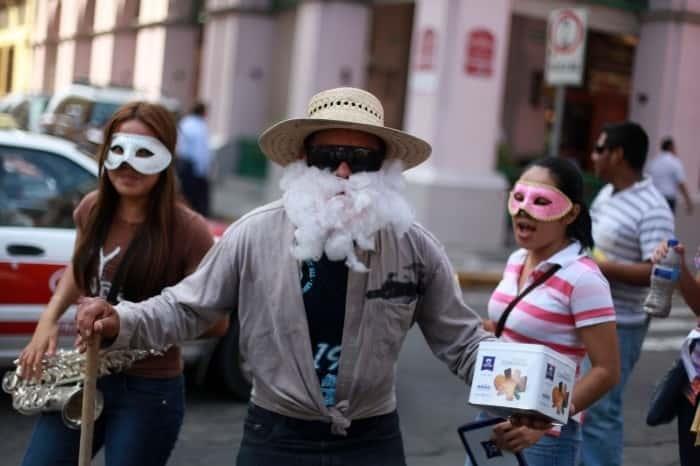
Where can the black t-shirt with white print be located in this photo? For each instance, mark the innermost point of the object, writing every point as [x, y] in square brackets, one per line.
[324, 286]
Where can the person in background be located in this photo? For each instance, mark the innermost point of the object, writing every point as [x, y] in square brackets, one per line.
[133, 239]
[630, 217]
[687, 405]
[667, 174]
[194, 158]
[571, 312]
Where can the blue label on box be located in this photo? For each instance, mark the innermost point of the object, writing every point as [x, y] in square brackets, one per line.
[491, 450]
[488, 363]
[550, 372]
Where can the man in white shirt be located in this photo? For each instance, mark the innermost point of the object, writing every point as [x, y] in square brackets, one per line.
[667, 174]
[630, 218]
[194, 158]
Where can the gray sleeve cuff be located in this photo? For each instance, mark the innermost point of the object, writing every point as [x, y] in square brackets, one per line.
[126, 326]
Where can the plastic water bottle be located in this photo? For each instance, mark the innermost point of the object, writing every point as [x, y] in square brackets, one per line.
[664, 276]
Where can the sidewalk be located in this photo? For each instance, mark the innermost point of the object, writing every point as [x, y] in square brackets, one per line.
[480, 270]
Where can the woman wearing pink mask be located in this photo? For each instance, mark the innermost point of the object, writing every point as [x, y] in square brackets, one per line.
[570, 312]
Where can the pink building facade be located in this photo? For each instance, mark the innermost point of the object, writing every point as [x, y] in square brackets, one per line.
[466, 75]
[149, 45]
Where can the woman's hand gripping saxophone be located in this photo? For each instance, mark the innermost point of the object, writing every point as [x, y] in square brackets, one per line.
[45, 337]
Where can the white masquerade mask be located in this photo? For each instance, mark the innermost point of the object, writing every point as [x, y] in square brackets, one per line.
[146, 154]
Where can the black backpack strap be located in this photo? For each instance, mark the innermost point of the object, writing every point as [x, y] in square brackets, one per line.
[540, 280]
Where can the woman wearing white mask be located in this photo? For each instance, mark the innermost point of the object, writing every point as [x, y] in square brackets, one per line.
[134, 238]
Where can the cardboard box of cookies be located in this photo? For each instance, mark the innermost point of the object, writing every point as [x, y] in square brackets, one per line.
[512, 378]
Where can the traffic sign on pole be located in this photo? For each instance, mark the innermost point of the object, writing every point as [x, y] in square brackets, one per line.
[566, 46]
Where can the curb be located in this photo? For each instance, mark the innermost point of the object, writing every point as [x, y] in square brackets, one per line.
[478, 279]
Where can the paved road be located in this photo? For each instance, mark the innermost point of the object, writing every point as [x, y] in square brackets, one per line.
[432, 403]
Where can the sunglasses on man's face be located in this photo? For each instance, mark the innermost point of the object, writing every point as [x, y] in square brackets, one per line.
[359, 159]
[600, 148]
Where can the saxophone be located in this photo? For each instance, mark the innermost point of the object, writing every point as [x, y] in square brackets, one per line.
[60, 387]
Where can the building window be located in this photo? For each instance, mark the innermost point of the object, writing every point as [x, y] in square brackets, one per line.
[9, 68]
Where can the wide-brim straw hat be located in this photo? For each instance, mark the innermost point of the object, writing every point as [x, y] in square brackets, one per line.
[346, 108]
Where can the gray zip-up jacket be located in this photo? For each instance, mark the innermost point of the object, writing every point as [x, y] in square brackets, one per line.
[251, 271]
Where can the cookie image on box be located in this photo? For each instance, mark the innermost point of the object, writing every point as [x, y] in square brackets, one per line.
[510, 383]
[560, 397]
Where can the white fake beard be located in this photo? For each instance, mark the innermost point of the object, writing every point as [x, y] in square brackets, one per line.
[333, 214]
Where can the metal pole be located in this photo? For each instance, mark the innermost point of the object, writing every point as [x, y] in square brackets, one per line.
[87, 422]
[555, 137]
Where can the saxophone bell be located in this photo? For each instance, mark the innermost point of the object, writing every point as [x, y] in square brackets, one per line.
[71, 406]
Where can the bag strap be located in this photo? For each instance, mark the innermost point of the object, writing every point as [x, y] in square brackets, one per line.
[118, 278]
[540, 280]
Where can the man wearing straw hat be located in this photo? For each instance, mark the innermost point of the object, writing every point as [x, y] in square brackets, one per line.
[326, 283]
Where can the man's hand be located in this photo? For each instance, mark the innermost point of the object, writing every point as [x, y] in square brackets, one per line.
[506, 436]
[95, 315]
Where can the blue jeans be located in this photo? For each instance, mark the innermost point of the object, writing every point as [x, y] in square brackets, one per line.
[270, 439]
[138, 426]
[603, 422]
[549, 450]
[556, 451]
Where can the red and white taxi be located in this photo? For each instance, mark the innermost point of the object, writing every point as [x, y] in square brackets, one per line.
[42, 178]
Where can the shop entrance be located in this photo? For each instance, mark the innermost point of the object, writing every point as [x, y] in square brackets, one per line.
[603, 98]
[528, 104]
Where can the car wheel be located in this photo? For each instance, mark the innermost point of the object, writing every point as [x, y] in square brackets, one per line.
[228, 373]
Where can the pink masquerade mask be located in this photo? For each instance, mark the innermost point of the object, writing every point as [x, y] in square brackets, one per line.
[542, 202]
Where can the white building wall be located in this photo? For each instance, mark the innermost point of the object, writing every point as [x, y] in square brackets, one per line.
[101, 59]
[64, 64]
[322, 31]
[102, 50]
[38, 36]
[665, 94]
[148, 60]
[217, 67]
[459, 114]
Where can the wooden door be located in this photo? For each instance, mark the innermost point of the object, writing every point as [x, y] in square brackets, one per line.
[387, 69]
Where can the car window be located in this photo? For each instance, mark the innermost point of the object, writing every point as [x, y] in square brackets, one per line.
[21, 114]
[74, 109]
[101, 112]
[40, 188]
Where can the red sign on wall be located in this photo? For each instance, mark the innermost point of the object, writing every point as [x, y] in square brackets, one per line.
[426, 50]
[479, 52]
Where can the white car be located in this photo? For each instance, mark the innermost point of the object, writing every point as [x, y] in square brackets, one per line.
[42, 178]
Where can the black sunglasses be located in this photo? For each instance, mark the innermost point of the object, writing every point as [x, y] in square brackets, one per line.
[600, 148]
[359, 159]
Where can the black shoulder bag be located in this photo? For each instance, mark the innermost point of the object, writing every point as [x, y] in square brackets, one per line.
[540, 280]
[663, 406]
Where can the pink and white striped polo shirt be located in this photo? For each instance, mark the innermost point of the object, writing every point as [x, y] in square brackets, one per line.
[576, 296]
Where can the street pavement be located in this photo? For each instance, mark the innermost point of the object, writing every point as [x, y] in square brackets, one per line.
[432, 404]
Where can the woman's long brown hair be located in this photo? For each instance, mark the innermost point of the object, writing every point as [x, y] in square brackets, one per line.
[144, 274]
